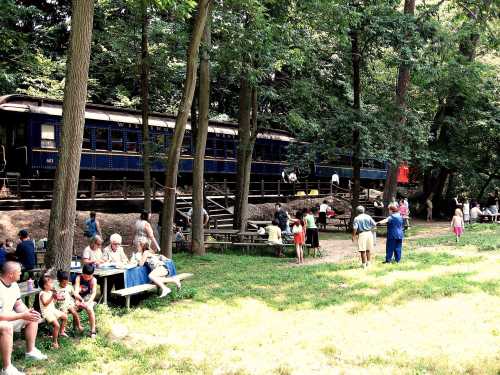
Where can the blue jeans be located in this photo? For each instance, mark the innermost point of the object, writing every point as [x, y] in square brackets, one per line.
[393, 247]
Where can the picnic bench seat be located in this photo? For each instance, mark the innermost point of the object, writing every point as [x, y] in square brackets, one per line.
[224, 244]
[138, 289]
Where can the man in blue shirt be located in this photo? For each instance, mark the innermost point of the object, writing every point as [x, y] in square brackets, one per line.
[362, 227]
[25, 251]
[394, 244]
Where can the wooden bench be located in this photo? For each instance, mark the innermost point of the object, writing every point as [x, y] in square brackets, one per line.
[248, 245]
[138, 289]
[224, 244]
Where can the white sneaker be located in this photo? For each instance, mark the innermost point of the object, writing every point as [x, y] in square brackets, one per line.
[11, 370]
[164, 293]
[36, 355]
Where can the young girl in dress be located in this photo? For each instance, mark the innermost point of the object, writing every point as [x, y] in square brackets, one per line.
[49, 311]
[299, 237]
[457, 223]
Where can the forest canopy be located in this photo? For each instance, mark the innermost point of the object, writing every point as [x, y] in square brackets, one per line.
[299, 56]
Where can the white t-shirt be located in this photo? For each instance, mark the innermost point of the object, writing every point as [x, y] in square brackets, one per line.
[292, 177]
[474, 212]
[335, 178]
[323, 207]
[9, 296]
[117, 256]
[93, 255]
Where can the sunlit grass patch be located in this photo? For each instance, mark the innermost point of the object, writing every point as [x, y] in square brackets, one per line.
[434, 313]
[486, 237]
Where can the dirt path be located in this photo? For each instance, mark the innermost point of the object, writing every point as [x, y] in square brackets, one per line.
[339, 250]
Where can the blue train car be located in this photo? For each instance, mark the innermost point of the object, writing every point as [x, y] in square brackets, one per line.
[30, 131]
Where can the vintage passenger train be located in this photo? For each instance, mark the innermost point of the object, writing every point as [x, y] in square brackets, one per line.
[30, 131]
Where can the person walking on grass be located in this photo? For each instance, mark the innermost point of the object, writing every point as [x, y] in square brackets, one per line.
[299, 237]
[457, 224]
[362, 227]
[395, 234]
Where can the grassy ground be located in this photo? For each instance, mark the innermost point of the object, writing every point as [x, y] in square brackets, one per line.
[438, 312]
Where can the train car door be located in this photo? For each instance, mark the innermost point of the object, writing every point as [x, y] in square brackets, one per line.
[13, 144]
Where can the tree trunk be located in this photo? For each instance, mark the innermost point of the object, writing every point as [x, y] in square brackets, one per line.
[391, 182]
[198, 245]
[146, 144]
[247, 134]
[356, 142]
[63, 211]
[174, 151]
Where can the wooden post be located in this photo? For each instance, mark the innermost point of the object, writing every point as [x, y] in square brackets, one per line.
[261, 188]
[92, 188]
[125, 188]
[215, 223]
[279, 188]
[153, 182]
[18, 187]
[294, 189]
[319, 187]
[331, 188]
[307, 188]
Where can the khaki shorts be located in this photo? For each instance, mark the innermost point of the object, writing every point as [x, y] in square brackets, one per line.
[365, 241]
[16, 325]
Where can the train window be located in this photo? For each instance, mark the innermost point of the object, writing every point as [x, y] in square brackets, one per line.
[157, 142]
[209, 146]
[186, 145]
[101, 139]
[283, 152]
[219, 148]
[86, 144]
[48, 136]
[261, 152]
[230, 144]
[116, 140]
[132, 140]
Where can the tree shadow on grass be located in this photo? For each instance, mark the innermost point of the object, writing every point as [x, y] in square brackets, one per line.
[413, 261]
[281, 287]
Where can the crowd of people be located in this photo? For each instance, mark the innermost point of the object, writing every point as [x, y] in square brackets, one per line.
[59, 297]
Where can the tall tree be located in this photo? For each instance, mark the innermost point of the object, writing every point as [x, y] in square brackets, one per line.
[146, 145]
[198, 245]
[403, 82]
[63, 212]
[247, 134]
[356, 141]
[180, 127]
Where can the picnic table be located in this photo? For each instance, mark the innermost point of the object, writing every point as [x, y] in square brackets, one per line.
[26, 294]
[485, 218]
[344, 221]
[132, 275]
